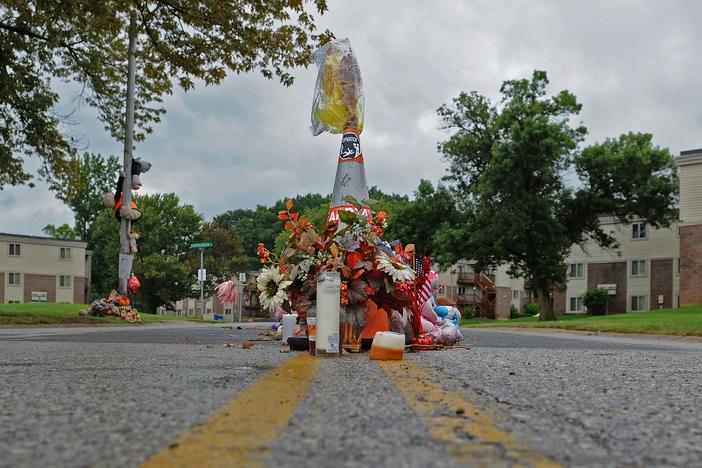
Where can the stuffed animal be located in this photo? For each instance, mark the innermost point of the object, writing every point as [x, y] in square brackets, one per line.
[133, 236]
[448, 313]
[131, 212]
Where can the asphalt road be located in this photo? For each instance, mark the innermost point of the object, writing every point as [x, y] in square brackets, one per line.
[117, 396]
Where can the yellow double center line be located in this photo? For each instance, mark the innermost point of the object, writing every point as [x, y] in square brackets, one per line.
[470, 436]
[242, 433]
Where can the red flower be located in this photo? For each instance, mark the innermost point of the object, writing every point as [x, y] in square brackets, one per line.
[353, 258]
[381, 216]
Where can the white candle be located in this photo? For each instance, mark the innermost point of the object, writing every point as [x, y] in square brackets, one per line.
[328, 285]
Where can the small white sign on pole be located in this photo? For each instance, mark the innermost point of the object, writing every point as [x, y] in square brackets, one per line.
[242, 277]
[660, 299]
[201, 274]
[40, 296]
[610, 288]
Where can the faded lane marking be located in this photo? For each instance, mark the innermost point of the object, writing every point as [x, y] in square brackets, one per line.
[241, 432]
[469, 434]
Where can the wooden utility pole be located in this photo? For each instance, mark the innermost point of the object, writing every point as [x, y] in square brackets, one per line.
[125, 256]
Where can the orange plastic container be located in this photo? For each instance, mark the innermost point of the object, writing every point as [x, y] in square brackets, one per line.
[387, 346]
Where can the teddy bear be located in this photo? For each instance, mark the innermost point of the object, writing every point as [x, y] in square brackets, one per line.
[114, 202]
[133, 236]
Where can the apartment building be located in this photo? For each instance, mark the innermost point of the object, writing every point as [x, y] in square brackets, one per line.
[652, 268]
[43, 269]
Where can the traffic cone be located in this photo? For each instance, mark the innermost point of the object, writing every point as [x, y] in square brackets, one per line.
[350, 178]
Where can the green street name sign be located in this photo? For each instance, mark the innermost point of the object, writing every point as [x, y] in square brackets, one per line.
[202, 245]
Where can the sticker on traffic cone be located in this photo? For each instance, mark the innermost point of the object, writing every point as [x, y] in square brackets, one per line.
[350, 178]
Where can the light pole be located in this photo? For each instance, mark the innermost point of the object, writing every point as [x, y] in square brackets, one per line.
[125, 256]
[201, 273]
[242, 281]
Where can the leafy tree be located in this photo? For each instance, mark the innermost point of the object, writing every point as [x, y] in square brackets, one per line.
[63, 231]
[85, 43]
[252, 226]
[507, 163]
[94, 177]
[105, 247]
[162, 263]
[263, 225]
[225, 258]
[167, 229]
[420, 220]
[389, 203]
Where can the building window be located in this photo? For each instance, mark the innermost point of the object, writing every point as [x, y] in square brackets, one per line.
[577, 271]
[638, 304]
[191, 312]
[461, 290]
[677, 264]
[227, 311]
[209, 310]
[64, 281]
[13, 302]
[65, 253]
[638, 268]
[576, 304]
[515, 294]
[13, 250]
[638, 231]
[14, 279]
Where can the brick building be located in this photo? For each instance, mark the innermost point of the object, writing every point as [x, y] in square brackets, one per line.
[653, 268]
[43, 269]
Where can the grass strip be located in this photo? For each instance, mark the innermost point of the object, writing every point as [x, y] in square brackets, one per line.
[685, 321]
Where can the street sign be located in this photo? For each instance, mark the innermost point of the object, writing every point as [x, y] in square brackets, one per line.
[610, 288]
[201, 274]
[202, 245]
[242, 277]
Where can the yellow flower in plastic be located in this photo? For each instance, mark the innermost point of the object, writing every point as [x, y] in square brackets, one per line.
[398, 271]
[272, 284]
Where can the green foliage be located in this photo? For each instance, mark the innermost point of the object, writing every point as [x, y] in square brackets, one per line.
[63, 231]
[222, 260]
[514, 311]
[105, 247]
[167, 229]
[468, 312]
[596, 301]
[531, 309]
[420, 220]
[94, 177]
[252, 226]
[163, 263]
[686, 321]
[507, 165]
[630, 177]
[178, 41]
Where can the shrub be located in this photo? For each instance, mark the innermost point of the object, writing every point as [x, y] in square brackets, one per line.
[468, 312]
[596, 300]
[531, 309]
[514, 312]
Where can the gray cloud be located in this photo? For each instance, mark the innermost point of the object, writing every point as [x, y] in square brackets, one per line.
[632, 64]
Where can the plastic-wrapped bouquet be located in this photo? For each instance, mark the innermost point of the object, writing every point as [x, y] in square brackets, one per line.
[338, 95]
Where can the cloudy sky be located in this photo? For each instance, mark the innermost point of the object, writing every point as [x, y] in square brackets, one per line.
[634, 65]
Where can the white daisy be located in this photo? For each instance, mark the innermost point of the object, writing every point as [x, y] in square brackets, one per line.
[272, 284]
[398, 271]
